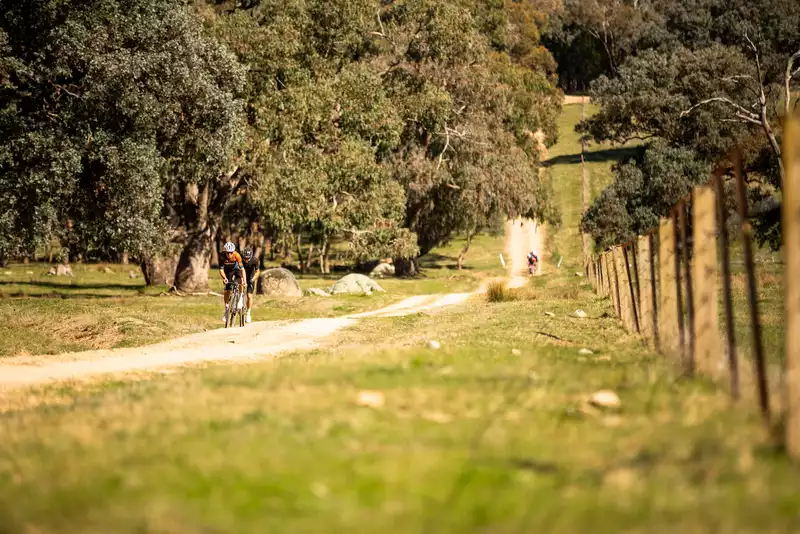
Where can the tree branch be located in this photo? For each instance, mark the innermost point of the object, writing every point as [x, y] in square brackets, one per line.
[446, 146]
[788, 80]
[723, 100]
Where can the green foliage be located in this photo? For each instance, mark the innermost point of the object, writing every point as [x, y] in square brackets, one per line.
[714, 81]
[644, 190]
[136, 124]
[103, 103]
[383, 123]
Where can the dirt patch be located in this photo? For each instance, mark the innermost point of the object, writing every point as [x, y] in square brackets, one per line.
[256, 342]
[88, 332]
[523, 236]
[575, 99]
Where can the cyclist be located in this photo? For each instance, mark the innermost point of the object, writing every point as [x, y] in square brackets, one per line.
[251, 269]
[230, 265]
[533, 261]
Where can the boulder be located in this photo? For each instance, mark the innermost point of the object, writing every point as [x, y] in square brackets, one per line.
[278, 283]
[317, 292]
[64, 270]
[382, 269]
[355, 284]
[605, 399]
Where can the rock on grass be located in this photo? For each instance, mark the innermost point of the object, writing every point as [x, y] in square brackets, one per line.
[605, 398]
[371, 399]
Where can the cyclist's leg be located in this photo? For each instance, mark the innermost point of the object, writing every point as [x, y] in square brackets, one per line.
[227, 296]
[251, 286]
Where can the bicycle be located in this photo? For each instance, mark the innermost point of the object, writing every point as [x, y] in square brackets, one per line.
[235, 306]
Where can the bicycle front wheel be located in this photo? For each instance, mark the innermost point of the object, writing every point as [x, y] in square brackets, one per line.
[231, 310]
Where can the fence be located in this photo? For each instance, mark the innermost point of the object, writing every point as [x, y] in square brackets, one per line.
[665, 286]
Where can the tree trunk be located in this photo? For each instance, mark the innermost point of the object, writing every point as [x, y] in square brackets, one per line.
[300, 258]
[406, 266]
[324, 257]
[310, 258]
[191, 274]
[287, 250]
[776, 147]
[215, 254]
[464, 251]
[159, 271]
[125, 258]
[262, 256]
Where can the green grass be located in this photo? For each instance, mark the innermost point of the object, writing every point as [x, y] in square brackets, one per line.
[103, 307]
[472, 438]
[490, 434]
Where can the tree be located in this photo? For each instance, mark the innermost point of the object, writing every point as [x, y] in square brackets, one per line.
[109, 107]
[725, 81]
[644, 190]
[427, 91]
[594, 37]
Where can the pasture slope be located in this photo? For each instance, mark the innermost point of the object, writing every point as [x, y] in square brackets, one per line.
[374, 429]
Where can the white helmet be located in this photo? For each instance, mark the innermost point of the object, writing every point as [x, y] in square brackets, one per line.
[229, 247]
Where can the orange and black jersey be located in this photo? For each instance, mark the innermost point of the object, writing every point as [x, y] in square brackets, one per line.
[230, 262]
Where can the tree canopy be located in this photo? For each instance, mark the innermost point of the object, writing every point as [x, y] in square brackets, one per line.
[431, 107]
[721, 75]
[103, 104]
[145, 125]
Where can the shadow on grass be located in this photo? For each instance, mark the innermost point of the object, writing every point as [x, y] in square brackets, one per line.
[72, 286]
[72, 295]
[597, 156]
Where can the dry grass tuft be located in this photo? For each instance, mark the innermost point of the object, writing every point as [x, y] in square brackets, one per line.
[498, 292]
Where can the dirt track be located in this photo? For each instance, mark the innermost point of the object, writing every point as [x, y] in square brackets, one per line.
[257, 341]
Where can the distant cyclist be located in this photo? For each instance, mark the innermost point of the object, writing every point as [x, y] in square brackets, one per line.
[533, 261]
[230, 265]
[251, 269]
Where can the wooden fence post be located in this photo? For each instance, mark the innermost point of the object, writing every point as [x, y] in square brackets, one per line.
[705, 269]
[654, 287]
[752, 292]
[791, 240]
[667, 306]
[645, 283]
[630, 274]
[612, 257]
[624, 289]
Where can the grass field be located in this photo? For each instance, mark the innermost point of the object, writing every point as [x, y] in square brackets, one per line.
[103, 307]
[489, 434]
